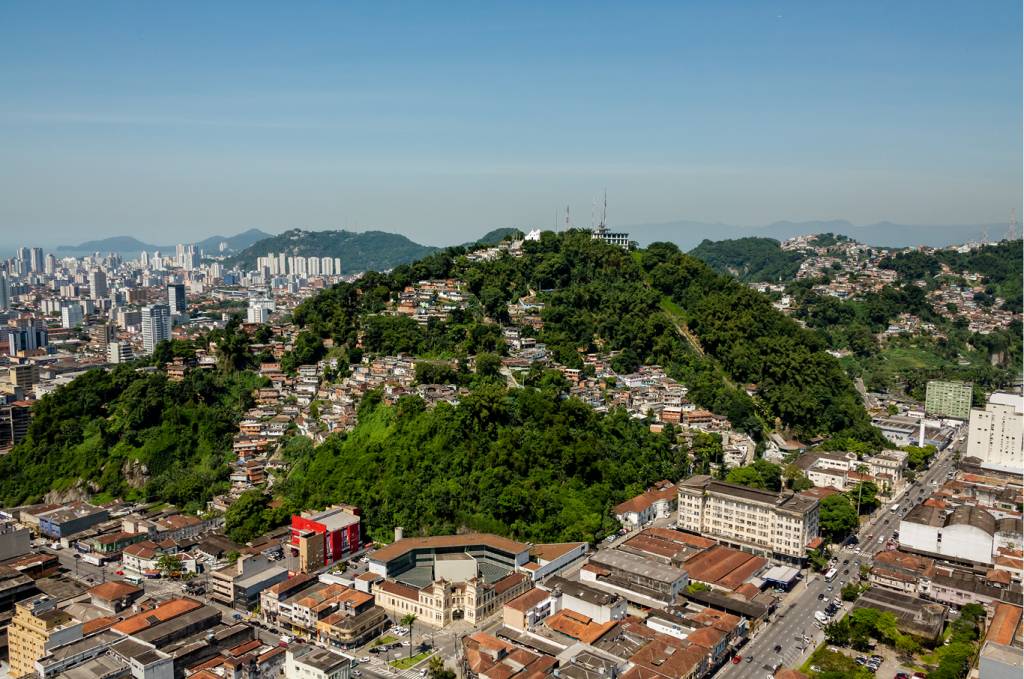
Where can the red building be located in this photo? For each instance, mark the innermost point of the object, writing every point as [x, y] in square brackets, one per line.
[322, 538]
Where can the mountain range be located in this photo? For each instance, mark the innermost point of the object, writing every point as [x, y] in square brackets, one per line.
[688, 234]
[132, 245]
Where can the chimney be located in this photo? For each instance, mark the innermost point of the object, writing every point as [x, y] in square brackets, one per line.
[398, 533]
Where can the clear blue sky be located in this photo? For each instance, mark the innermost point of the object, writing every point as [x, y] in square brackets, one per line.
[441, 120]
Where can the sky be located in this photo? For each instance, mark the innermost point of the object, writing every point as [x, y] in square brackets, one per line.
[442, 120]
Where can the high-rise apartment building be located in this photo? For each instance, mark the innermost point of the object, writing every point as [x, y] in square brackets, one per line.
[36, 260]
[38, 626]
[27, 336]
[775, 525]
[71, 315]
[97, 284]
[5, 293]
[102, 334]
[995, 433]
[259, 310]
[156, 326]
[176, 298]
[949, 399]
[119, 352]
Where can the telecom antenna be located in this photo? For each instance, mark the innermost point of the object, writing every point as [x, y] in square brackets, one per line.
[1011, 232]
[984, 235]
[567, 227]
[604, 212]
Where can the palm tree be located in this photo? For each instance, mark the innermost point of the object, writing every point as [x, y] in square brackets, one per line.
[407, 620]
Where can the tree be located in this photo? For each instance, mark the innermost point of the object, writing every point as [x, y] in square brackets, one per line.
[488, 365]
[170, 565]
[407, 621]
[850, 592]
[837, 517]
[437, 670]
[247, 517]
[864, 495]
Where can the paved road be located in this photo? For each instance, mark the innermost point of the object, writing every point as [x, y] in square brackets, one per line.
[795, 616]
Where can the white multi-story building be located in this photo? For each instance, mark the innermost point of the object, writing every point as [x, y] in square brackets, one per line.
[71, 315]
[776, 525]
[156, 326]
[995, 433]
[259, 310]
[311, 662]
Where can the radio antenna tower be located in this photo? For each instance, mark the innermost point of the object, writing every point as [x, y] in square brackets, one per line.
[567, 226]
[604, 211]
[1014, 229]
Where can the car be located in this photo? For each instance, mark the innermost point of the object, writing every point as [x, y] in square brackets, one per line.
[902, 675]
[860, 660]
[749, 658]
[737, 659]
[423, 672]
[846, 571]
[237, 616]
[365, 659]
[118, 572]
[821, 596]
[356, 673]
[846, 561]
[877, 657]
[778, 647]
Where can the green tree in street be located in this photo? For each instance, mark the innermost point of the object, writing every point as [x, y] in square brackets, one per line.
[407, 621]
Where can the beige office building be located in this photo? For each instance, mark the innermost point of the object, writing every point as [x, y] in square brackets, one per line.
[775, 525]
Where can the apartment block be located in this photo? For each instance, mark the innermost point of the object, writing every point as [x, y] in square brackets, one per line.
[995, 433]
[775, 525]
[948, 399]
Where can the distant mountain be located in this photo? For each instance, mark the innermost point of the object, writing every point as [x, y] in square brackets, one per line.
[131, 245]
[496, 236]
[112, 244]
[688, 234]
[365, 251]
[211, 245]
[749, 259]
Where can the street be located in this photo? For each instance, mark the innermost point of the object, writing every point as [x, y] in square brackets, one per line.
[795, 615]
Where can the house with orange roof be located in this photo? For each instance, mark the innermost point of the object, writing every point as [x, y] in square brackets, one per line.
[577, 626]
[115, 595]
[656, 502]
[488, 657]
[528, 609]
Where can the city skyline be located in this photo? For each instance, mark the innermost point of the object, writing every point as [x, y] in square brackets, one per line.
[144, 121]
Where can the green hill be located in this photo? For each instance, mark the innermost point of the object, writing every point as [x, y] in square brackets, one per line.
[526, 462]
[749, 259]
[364, 251]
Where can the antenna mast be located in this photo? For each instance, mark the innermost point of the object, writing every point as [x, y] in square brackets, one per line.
[567, 227]
[604, 211]
[1011, 232]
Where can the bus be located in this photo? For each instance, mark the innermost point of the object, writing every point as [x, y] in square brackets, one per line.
[831, 575]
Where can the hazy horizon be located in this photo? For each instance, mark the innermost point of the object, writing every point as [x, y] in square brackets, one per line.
[443, 122]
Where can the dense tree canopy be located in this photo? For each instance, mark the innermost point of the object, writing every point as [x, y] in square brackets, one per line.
[525, 463]
[749, 259]
[131, 433]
